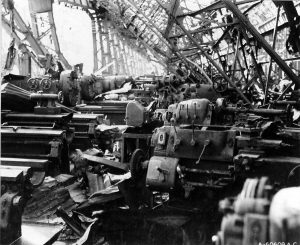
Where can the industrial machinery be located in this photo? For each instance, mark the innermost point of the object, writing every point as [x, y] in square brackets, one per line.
[37, 143]
[80, 128]
[77, 87]
[191, 152]
[45, 103]
[257, 216]
[113, 110]
[44, 83]
[39, 167]
[19, 176]
[16, 186]
[206, 129]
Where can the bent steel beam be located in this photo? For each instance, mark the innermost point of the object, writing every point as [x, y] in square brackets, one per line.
[207, 56]
[56, 42]
[174, 6]
[38, 48]
[248, 26]
[273, 46]
[7, 26]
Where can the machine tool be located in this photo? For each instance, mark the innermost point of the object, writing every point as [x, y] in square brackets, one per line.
[258, 215]
[17, 183]
[37, 143]
[80, 128]
[190, 152]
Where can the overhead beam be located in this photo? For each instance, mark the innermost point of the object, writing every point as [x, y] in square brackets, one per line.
[204, 29]
[194, 47]
[86, 6]
[174, 7]
[215, 6]
[151, 49]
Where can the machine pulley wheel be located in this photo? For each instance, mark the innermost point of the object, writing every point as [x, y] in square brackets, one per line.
[255, 188]
[33, 83]
[136, 160]
[45, 83]
[220, 85]
[249, 188]
[261, 189]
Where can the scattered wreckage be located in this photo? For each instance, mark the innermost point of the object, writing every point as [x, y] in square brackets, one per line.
[202, 145]
[153, 155]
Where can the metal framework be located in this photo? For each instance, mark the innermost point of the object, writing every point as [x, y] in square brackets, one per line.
[127, 34]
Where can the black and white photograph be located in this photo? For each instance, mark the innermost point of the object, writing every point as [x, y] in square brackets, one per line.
[150, 122]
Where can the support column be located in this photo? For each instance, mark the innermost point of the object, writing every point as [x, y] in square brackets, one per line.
[120, 55]
[117, 52]
[95, 51]
[127, 59]
[131, 61]
[101, 46]
[123, 56]
[112, 50]
[106, 45]
[135, 62]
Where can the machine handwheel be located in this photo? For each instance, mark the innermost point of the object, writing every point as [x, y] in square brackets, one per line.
[136, 160]
[45, 83]
[220, 85]
[32, 83]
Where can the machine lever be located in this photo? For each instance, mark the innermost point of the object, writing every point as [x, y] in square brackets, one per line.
[187, 111]
[206, 143]
[193, 142]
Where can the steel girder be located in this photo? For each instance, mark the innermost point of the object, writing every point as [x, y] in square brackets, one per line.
[249, 27]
